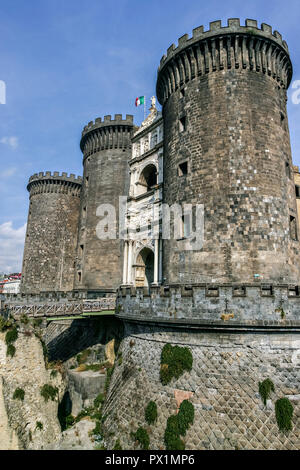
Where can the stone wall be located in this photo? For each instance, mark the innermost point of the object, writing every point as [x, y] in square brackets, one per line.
[217, 306]
[223, 384]
[26, 370]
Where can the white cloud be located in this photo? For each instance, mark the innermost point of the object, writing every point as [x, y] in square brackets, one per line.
[11, 247]
[12, 142]
[8, 172]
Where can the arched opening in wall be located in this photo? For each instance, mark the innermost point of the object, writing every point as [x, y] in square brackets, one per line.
[148, 179]
[144, 268]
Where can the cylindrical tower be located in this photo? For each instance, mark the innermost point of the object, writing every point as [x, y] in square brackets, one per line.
[51, 237]
[106, 147]
[225, 122]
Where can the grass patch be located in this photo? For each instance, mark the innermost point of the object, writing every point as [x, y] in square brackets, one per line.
[11, 336]
[284, 412]
[142, 437]
[177, 426]
[265, 388]
[19, 394]
[48, 392]
[151, 412]
[11, 350]
[39, 425]
[174, 361]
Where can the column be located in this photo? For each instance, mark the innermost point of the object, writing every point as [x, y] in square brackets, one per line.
[125, 262]
[129, 267]
[156, 257]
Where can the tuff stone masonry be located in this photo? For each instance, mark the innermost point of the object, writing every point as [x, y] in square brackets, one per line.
[221, 142]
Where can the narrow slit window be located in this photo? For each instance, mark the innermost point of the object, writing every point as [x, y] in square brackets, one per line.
[297, 190]
[293, 228]
[287, 169]
[79, 276]
[182, 124]
[183, 168]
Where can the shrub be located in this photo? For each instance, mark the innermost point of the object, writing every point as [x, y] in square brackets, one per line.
[49, 392]
[11, 350]
[151, 412]
[19, 394]
[11, 336]
[82, 357]
[142, 437]
[185, 416]
[117, 445]
[265, 388]
[97, 428]
[5, 324]
[177, 426]
[24, 319]
[99, 400]
[172, 438]
[39, 425]
[45, 350]
[53, 374]
[36, 322]
[69, 421]
[174, 361]
[284, 413]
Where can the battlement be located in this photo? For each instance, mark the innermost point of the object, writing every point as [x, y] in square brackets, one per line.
[260, 49]
[107, 134]
[47, 175]
[108, 121]
[47, 182]
[253, 306]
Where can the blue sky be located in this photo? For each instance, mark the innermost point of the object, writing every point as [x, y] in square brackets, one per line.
[66, 62]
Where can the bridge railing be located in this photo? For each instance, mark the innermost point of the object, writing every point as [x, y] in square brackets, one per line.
[58, 308]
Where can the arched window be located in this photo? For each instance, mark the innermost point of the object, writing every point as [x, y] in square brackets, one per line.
[148, 178]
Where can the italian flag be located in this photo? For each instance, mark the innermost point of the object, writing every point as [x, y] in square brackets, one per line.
[140, 100]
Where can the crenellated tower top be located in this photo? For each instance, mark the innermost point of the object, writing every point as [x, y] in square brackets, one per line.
[107, 134]
[220, 48]
[47, 182]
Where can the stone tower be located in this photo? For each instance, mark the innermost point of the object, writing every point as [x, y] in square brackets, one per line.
[51, 237]
[106, 147]
[234, 304]
[223, 94]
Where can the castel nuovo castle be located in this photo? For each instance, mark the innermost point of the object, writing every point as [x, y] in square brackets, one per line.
[210, 331]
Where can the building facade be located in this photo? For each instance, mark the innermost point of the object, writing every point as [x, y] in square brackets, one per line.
[142, 265]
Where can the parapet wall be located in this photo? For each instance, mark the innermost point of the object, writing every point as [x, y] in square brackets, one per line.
[47, 182]
[232, 46]
[107, 134]
[214, 306]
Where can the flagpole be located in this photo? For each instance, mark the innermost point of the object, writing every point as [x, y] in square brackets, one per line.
[144, 107]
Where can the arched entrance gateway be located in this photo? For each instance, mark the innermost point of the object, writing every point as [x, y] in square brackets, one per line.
[144, 268]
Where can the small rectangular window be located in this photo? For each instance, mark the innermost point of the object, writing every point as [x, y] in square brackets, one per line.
[183, 168]
[182, 124]
[293, 291]
[79, 276]
[297, 190]
[266, 291]
[212, 292]
[239, 291]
